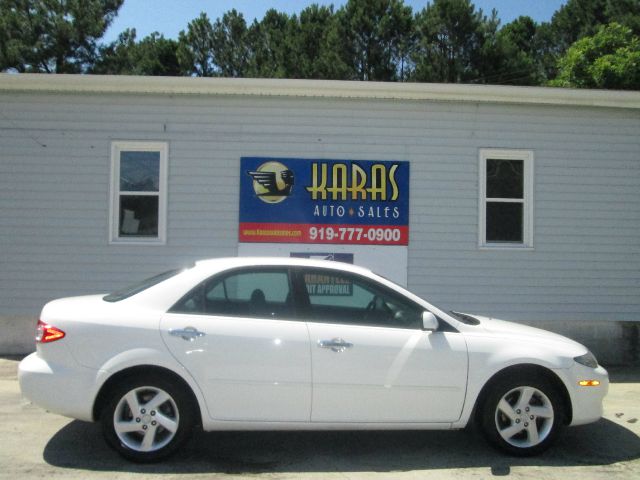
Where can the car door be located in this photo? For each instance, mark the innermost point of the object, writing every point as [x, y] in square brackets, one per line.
[238, 336]
[371, 360]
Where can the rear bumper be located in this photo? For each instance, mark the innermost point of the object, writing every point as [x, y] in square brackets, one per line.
[57, 388]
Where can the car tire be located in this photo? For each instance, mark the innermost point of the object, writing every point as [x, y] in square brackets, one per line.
[147, 418]
[522, 416]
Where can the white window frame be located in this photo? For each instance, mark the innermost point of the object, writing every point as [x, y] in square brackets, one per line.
[114, 209]
[527, 211]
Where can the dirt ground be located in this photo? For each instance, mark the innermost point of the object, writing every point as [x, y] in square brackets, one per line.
[36, 444]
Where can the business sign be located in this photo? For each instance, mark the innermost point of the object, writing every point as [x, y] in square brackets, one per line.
[324, 201]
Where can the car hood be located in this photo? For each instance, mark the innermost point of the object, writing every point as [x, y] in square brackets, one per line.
[505, 329]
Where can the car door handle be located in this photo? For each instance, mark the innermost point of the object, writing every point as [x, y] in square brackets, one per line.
[335, 344]
[187, 333]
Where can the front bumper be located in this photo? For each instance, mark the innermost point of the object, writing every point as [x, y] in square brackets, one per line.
[587, 401]
[57, 388]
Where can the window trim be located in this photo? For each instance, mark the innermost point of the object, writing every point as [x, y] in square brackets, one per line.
[527, 210]
[114, 211]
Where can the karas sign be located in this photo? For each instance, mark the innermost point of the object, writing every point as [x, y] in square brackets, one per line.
[324, 201]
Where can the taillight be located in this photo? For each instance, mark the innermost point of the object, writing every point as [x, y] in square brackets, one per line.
[46, 333]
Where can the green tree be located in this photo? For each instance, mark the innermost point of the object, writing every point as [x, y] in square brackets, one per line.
[230, 47]
[157, 55]
[117, 57]
[579, 18]
[153, 55]
[513, 54]
[608, 59]
[375, 34]
[449, 47]
[270, 42]
[316, 46]
[195, 47]
[52, 36]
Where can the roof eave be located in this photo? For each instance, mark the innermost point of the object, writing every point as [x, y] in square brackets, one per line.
[122, 84]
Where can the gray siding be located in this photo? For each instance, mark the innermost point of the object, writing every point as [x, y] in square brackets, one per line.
[54, 193]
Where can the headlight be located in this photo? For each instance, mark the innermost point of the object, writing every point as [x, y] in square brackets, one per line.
[588, 360]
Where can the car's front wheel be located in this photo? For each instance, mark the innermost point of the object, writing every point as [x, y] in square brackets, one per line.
[147, 418]
[522, 417]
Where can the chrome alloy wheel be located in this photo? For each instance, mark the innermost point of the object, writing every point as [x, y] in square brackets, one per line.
[524, 417]
[146, 419]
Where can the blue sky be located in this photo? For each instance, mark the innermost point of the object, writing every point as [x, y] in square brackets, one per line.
[170, 16]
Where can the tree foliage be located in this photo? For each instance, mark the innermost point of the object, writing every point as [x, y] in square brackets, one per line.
[608, 59]
[586, 43]
[52, 36]
[195, 47]
[230, 48]
[374, 34]
[451, 34]
[153, 55]
[580, 18]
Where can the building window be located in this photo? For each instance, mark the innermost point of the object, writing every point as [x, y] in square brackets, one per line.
[138, 192]
[506, 198]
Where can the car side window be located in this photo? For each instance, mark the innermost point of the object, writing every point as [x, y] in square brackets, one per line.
[244, 293]
[338, 297]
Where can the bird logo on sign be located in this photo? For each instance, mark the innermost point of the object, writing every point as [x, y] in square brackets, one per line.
[272, 182]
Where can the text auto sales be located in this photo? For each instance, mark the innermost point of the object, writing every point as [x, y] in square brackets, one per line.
[355, 183]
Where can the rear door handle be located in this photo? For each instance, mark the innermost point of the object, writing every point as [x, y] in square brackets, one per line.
[335, 344]
[187, 333]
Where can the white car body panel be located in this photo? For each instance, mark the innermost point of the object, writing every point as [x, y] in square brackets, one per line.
[249, 369]
[389, 375]
[270, 374]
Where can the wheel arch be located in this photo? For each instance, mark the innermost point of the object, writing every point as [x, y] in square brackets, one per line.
[141, 371]
[518, 371]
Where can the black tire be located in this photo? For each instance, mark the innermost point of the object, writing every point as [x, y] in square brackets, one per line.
[147, 418]
[522, 416]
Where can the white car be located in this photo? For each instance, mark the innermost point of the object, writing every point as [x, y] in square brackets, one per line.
[290, 344]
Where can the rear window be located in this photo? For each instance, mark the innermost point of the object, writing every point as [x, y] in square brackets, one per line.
[140, 286]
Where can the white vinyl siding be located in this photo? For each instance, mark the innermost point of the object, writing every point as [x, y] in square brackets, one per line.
[55, 180]
[138, 208]
[506, 211]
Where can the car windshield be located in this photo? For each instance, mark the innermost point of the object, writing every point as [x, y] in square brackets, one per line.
[140, 286]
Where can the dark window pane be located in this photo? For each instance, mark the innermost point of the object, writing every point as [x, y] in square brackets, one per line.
[505, 178]
[261, 294]
[139, 171]
[343, 298]
[272, 286]
[504, 222]
[138, 216]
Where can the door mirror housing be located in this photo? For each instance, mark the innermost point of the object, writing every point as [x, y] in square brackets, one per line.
[429, 321]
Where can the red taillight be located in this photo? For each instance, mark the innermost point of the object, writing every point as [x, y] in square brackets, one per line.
[46, 333]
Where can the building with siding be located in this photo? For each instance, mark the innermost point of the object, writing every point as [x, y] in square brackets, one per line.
[561, 250]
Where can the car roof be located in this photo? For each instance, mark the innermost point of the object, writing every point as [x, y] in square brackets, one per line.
[224, 263]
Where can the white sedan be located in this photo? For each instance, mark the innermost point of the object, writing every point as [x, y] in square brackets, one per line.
[289, 344]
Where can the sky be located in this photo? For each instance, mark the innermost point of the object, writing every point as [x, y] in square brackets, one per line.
[170, 16]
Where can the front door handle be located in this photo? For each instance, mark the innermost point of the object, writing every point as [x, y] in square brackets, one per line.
[335, 344]
[187, 333]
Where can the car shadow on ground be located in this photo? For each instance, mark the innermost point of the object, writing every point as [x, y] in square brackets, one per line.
[79, 445]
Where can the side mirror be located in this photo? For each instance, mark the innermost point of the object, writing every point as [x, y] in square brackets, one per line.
[429, 321]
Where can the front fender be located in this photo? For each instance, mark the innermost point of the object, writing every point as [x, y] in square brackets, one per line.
[488, 356]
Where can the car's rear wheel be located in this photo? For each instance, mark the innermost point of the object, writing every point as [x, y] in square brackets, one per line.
[147, 418]
[522, 417]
